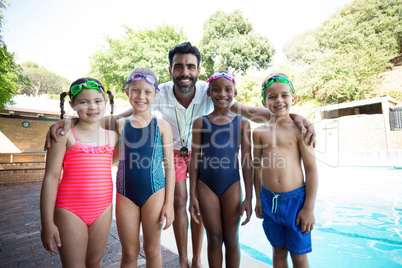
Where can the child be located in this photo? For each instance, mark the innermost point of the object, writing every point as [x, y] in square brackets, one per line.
[76, 212]
[144, 188]
[214, 172]
[285, 201]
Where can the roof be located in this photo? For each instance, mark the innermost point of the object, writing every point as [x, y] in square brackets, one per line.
[37, 105]
[43, 105]
[357, 103]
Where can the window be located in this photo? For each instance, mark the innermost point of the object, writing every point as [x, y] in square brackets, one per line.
[395, 115]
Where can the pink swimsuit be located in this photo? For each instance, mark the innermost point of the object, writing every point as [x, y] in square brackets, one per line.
[86, 188]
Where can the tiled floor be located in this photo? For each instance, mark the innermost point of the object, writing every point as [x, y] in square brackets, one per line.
[20, 243]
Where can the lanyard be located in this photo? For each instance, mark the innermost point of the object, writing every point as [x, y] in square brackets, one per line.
[182, 128]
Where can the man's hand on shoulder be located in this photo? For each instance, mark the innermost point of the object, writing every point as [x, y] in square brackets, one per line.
[61, 127]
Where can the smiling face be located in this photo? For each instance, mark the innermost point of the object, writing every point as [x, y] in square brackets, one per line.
[141, 95]
[90, 105]
[184, 72]
[222, 92]
[279, 99]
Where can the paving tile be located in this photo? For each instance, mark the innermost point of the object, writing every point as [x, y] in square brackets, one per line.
[20, 243]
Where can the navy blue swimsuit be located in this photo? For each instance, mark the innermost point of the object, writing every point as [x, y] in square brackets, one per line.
[140, 172]
[219, 163]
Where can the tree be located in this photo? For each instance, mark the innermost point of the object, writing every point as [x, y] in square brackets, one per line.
[42, 81]
[229, 43]
[143, 48]
[342, 57]
[10, 71]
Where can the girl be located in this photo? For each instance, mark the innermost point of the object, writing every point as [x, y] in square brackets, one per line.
[214, 172]
[144, 187]
[76, 212]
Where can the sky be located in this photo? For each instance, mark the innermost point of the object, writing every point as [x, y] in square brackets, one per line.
[61, 35]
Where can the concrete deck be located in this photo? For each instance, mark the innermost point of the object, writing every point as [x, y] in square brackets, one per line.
[20, 242]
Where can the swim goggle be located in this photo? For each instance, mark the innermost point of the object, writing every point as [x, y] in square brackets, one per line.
[280, 79]
[218, 75]
[148, 78]
[88, 84]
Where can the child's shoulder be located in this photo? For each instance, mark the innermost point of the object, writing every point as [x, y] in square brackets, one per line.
[198, 121]
[262, 128]
[121, 120]
[163, 124]
[244, 123]
[64, 138]
[114, 137]
[244, 120]
[120, 124]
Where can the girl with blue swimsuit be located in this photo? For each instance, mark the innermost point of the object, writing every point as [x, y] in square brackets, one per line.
[215, 190]
[144, 185]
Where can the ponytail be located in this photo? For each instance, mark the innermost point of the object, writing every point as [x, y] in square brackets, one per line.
[62, 97]
[111, 99]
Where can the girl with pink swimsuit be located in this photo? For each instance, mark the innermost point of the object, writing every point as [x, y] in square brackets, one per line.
[76, 211]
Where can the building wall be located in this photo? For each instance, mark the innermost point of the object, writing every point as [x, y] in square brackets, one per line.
[361, 133]
[358, 140]
[28, 140]
[395, 138]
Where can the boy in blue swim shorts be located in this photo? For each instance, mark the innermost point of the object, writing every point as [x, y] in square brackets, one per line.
[285, 195]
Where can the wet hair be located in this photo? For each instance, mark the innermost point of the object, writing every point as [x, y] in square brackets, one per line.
[80, 81]
[185, 48]
[143, 71]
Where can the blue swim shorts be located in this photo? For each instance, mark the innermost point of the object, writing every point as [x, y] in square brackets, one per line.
[280, 211]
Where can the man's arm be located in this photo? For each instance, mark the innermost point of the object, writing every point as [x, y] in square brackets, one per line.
[262, 115]
[107, 122]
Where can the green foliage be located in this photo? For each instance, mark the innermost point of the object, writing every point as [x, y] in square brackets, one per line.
[10, 71]
[249, 89]
[143, 48]
[341, 58]
[229, 43]
[249, 86]
[42, 81]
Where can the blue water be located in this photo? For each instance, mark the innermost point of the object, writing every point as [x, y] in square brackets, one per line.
[358, 220]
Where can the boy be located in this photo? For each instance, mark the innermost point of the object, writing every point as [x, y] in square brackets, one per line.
[286, 200]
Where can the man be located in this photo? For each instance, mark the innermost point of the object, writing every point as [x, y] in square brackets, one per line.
[180, 102]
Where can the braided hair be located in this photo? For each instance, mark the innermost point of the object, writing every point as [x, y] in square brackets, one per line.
[80, 81]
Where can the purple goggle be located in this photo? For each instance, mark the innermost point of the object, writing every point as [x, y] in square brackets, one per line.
[219, 75]
[148, 78]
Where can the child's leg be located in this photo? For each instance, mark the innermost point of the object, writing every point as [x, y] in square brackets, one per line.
[151, 228]
[280, 258]
[98, 233]
[74, 238]
[231, 202]
[210, 207]
[299, 261]
[180, 223]
[128, 227]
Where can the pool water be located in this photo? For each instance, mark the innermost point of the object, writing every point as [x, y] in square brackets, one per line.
[358, 220]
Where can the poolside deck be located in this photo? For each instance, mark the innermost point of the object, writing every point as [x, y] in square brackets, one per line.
[20, 242]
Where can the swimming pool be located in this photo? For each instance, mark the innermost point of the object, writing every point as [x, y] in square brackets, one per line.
[358, 220]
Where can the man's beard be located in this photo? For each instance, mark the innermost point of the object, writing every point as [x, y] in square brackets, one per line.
[185, 89]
